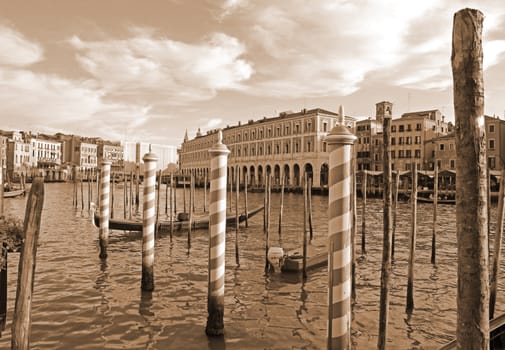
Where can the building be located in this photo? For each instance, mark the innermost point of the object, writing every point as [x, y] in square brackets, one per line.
[45, 152]
[87, 154]
[111, 151]
[18, 153]
[167, 154]
[409, 134]
[286, 146]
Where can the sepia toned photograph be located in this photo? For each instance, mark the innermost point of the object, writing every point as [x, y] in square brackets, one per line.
[241, 174]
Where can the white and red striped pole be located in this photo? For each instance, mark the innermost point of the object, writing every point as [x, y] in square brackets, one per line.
[340, 141]
[217, 237]
[148, 221]
[103, 231]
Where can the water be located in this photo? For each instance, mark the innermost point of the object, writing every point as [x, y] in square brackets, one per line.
[81, 302]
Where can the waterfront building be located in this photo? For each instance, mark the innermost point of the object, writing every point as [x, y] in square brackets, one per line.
[409, 134]
[88, 156]
[45, 152]
[112, 151]
[18, 153]
[286, 146]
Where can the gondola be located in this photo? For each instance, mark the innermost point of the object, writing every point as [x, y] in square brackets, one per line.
[164, 225]
[421, 199]
[13, 193]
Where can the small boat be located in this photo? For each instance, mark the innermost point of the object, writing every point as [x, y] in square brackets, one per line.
[164, 225]
[421, 199]
[292, 261]
[496, 338]
[13, 193]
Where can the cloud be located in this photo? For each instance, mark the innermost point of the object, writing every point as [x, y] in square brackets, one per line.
[160, 70]
[17, 50]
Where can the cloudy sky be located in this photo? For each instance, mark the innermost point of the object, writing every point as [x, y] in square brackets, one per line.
[148, 70]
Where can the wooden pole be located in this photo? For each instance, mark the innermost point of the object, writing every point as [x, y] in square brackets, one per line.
[412, 242]
[309, 207]
[137, 177]
[91, 188]
[21, 323]
[171, 204]
[395, 208]
[166, 196]
[3, 288]
[130, 202]
[435, 208]
[495, 260]
[353, 228]
[175, 198]
[387, 238]
[190, 206]
[245, 201]
[148, 221]
[305, 209]
[281, 206]
[104, 209]
[237, 191]
[363, 212]
[112, 196]
[205, 192]
[82, 189]
[472, 330]
[184, 192]
[125, 195]
[157, 206]
[88, 176]
[217, 237]
[339, 141]
[1, 191]
[267, 222]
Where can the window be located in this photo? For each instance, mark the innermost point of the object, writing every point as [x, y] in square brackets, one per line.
[393, 141]
[418, 140]
[491, 144]
[491, 127]
[453, 164]
[417, 153]
[409, 140]
[401, 154]
[324, 146]
[325, 126]
[400, 140]
[409, 128]
[441, 147]
[297, 147]
[393, 154]
[491, 161]
[297, 128]
[418, 127]
[401, 128]
[393, 128]
[409, 153]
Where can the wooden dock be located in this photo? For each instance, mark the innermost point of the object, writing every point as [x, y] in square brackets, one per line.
[317, 255]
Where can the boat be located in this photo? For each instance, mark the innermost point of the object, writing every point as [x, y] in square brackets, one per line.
[13, 193]
[496, 337]
[292, 261]
[164, 225]
[421, 199]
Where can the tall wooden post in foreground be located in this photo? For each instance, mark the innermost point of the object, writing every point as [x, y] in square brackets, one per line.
[339, 141]
[21, 323]
[435, 208]
[412, 242]
[148, 221]
[387, 238]
[472, 330]
[137, 177]
[103, 232]
[217, 237]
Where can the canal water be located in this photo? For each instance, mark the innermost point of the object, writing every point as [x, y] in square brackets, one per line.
[81, 302]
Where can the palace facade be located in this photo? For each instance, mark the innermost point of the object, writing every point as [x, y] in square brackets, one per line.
[286, 146]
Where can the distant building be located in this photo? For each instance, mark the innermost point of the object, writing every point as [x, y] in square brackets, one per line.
[112, 151]
[45, 152]
[286, 146]
[88, 156]
[166, 153]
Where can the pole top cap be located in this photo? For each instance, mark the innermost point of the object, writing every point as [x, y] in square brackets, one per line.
[150, 157]
[219, 147]
[106, 162]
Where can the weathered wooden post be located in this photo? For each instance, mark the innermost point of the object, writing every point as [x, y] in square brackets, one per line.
[74, 181]
[125, 195]
[281, 207]
[184, 192]
[395, 208]
[267, 221]
[166, 195]
[309, 207]
[472, 330]
[148, 221]
[237, 194]
[495, 260]
[435, 208]
[3, 287]
[412, 242]
[172, 200]
[305, 209]
[387, 239]
[340, 141]
[217, 237]
[190, 215]
[137, 176]
[157, 205]
[245, 201]
[205, 192]
[103, 232]
[112, 195]
[363, 211]
[130, 202]
[81, 175]
[21, 323]
[1, 191]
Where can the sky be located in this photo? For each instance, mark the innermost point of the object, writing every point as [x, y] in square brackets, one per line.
[147, 71]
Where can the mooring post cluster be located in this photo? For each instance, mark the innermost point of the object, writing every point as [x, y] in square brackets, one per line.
[340, 141]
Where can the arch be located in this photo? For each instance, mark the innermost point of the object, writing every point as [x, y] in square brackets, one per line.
[296, 175]
[244, 173]
[307, 169]
[260, 175]
[277, 174]
[286, 174]
[323, 177]
[252, 179]
[268, 170]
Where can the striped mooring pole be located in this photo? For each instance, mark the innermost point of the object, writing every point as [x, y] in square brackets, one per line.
[149, 217]
[104, 208]
[340, 141]
[217, 237]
